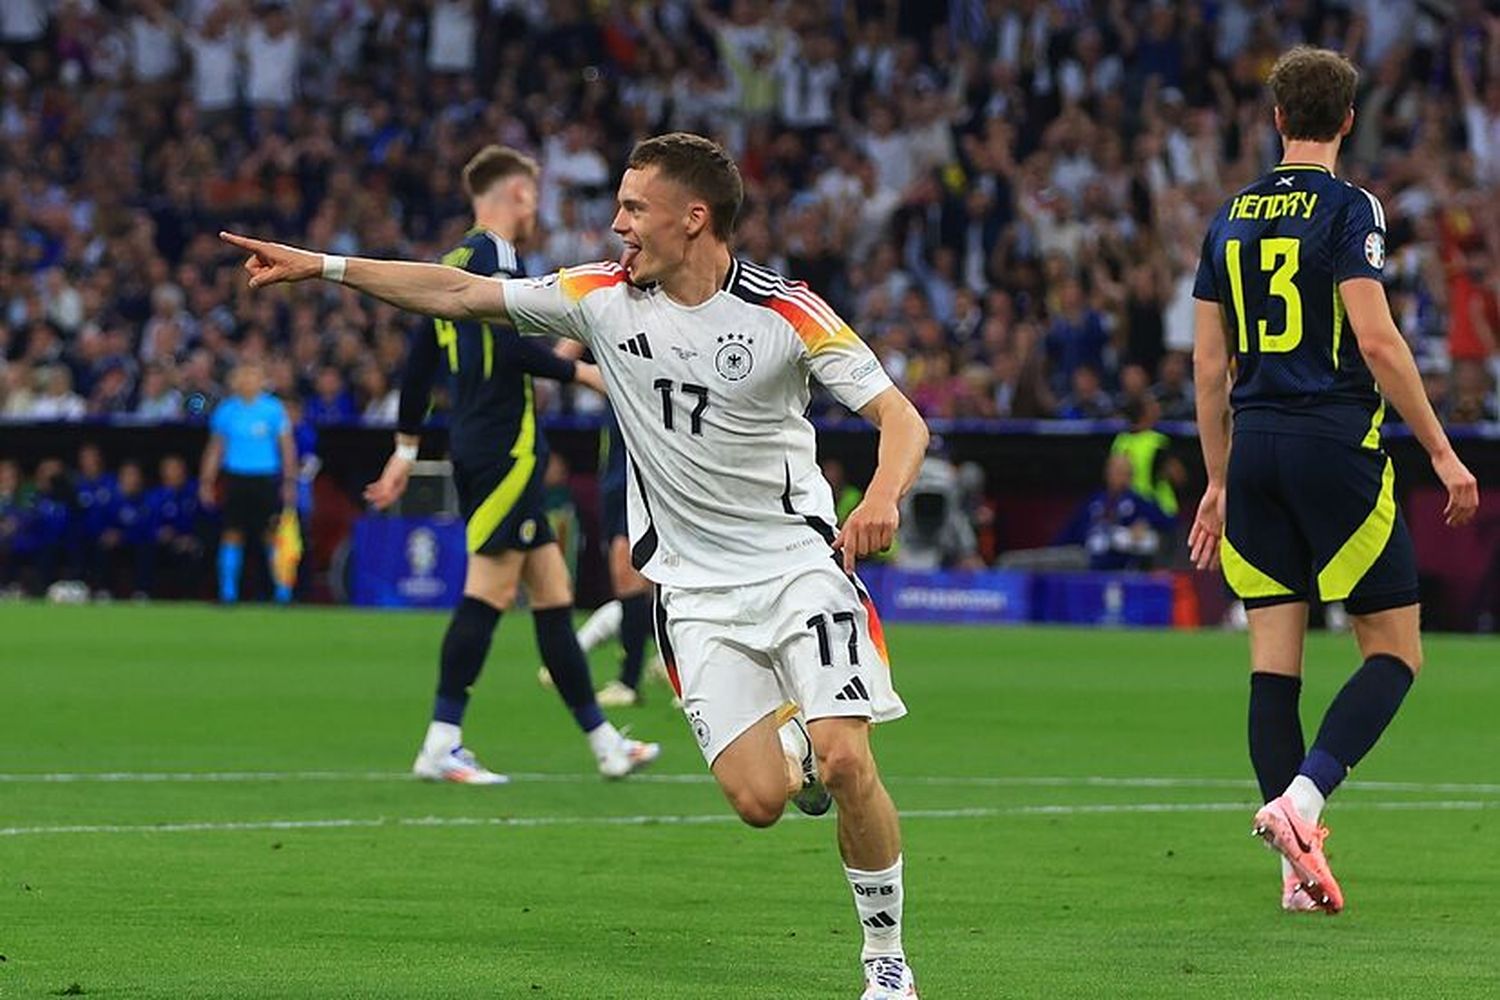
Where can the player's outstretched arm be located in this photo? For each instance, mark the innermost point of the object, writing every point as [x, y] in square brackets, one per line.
[432, 289]
[871, 527]
[1211, 387]
[1390, 361]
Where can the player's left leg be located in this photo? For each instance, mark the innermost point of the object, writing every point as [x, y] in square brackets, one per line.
[834, 662]
[545, 576]
[869, 834]
[1390, 643]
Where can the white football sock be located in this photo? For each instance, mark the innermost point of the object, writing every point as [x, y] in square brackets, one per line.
[603, 738]
[602, 625]
[1306, 797]
[877, 901]
[441, 737]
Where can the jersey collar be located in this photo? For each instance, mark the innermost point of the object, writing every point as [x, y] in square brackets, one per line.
[1280, 167]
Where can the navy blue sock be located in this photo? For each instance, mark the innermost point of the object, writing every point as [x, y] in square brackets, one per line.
[465, 645]
[564, 659]
[635, 625]
[1359, 714]
[1276, 743]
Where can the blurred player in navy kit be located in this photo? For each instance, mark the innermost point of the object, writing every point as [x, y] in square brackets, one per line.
[1292, 309]
[499, 464]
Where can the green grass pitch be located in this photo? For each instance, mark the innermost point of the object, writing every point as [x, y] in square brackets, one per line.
[1078, 826]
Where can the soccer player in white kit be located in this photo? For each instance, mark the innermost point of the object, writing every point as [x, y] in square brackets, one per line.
[706, 359]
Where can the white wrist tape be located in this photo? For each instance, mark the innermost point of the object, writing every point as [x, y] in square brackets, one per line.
[406, 452]
[334, 266]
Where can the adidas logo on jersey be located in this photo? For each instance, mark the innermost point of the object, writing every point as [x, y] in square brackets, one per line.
[853, 691]
[637, 345]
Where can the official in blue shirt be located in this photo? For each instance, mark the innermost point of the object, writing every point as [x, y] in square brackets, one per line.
[251, 439]
[1120, 528]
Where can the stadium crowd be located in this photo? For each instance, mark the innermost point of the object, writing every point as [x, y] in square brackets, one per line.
[1005, 197]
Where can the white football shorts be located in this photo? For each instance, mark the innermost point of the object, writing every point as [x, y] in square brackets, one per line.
[738, 653]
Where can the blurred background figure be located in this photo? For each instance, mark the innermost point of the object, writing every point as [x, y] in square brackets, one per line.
[1120, 528]
[935, 532]
[251, 442]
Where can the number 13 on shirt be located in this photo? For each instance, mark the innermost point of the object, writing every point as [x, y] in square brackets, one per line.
[1279, 257]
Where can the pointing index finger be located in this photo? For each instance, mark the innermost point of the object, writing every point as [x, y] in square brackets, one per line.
[235, 239]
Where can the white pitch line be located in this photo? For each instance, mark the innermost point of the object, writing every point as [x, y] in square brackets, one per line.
[694, 819]
[700, 778]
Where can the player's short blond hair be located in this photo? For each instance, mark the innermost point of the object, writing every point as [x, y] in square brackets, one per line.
[1314, 88]
[493, 164]
[700, 165]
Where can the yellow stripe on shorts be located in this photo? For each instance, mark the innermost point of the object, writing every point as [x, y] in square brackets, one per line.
[1244, 579]
[1355, 557]
[502, 499]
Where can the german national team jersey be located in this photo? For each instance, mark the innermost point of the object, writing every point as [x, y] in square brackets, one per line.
[1272, 260]
[724, 486]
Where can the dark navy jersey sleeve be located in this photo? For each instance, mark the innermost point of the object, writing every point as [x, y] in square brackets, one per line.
[535, 356]
[1359, 242]
[416, 380]
[1204, 286]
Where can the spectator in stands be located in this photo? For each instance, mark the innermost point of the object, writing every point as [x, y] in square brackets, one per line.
[19, 394]
[1077, 337]
[1053, 161]
[159, 400]
[382, 401]
[1120, 528]
[1174, 390]
[1087, 400]
[56, 399]
[330, 403]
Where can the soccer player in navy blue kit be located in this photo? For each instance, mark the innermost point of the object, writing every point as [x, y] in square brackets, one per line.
[499, 461]
[1291, 310]
[251, 438]
[632, 591]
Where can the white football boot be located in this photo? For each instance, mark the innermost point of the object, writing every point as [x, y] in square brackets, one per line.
[618, 694]
[626, 757]
[813, 798]
[888, 978]
[455, 764]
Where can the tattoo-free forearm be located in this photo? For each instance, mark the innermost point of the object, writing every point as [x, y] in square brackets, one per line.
[431, 289]
[903, 443]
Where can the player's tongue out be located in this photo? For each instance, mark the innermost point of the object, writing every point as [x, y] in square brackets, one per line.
[627, 258]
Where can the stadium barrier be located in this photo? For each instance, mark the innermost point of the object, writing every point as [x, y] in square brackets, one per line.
[416, 562]
[1036, 472]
